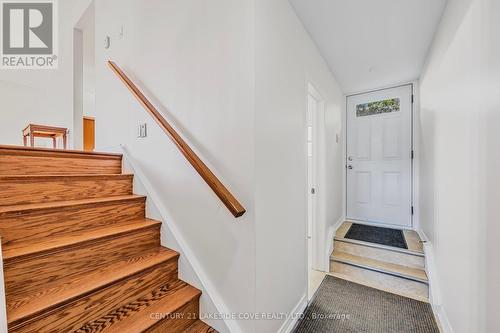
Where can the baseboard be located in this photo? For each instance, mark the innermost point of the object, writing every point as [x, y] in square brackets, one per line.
[208, 290]
[294, 316]
[434, 285]
[442, 318]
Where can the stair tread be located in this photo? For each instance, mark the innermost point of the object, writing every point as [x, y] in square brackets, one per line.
[404, 271]
[371, 284]
[64, 204]
[62, 152]
[411, 251]
[65, 176]
[200, 327]
[27, 306]
[54, 243]
[150, 315]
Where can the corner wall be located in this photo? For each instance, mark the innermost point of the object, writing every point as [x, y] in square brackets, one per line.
[286, 60]
[232, 77]
[460, 131]
[194, 59]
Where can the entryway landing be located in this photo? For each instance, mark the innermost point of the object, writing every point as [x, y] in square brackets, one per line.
[411, 238]
[397, 269]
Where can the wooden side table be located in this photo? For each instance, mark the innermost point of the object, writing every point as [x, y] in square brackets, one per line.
[43, 131]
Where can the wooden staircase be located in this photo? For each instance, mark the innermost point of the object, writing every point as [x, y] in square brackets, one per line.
[79, 253]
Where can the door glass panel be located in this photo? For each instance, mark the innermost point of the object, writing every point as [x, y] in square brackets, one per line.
[372, 108]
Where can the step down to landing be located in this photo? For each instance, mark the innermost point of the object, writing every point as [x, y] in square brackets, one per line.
[409, 273]
[396, 270]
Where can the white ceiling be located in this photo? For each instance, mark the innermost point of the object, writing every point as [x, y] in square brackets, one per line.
[370, 44]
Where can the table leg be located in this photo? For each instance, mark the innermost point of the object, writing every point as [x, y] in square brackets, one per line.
[25, 140]
[54, 142]
[65, 138]
[32, 139]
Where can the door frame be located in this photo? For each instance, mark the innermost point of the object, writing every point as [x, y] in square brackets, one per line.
[311, 90]
[414, 111]
[84, 118]
[317, 245]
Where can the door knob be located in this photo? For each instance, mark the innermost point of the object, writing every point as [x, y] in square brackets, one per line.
[349, 167]
[350, 158]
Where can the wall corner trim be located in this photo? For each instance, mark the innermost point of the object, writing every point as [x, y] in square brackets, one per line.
[294, 316]
[331, 245]
[434, 289]
[3, 305]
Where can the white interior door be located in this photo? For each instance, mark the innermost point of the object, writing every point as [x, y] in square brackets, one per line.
[379, 156]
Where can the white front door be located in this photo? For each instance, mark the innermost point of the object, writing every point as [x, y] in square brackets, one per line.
[379, 156]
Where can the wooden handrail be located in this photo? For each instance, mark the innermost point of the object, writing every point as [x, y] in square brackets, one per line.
[220, 190]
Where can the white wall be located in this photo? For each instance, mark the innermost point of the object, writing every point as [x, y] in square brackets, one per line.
[195, 60]
[490, 164]
[84, 73]
[234, 83]
[41, 96]
[286, 59]
[460, 128]
[89, 44]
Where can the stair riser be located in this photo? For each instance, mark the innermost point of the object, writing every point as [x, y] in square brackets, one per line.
[382, 281]
[44, 224]
[43, 190]
[49, 164]
[389, 256]
[179, 321]
[36, 272]
[72, 315]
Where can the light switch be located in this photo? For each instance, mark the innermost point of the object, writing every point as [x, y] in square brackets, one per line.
[107, 42]
[122, 32]
[142, 131]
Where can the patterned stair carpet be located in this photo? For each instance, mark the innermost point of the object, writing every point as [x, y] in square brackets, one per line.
[340, 306]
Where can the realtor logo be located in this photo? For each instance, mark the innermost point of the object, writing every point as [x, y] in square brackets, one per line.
[28, 34]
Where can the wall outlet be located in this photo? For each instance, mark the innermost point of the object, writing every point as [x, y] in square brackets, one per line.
[142, 131]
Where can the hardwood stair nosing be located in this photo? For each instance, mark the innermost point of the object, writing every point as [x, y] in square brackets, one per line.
[200, 327]
[46, 309]
[378, 246]
[378, 269]
[54, 177]
[94, 236]
[67, 205]
[63, 153]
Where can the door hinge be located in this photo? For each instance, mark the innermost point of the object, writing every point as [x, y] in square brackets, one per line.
[413, 98]
[412, 154]
[411, 210]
